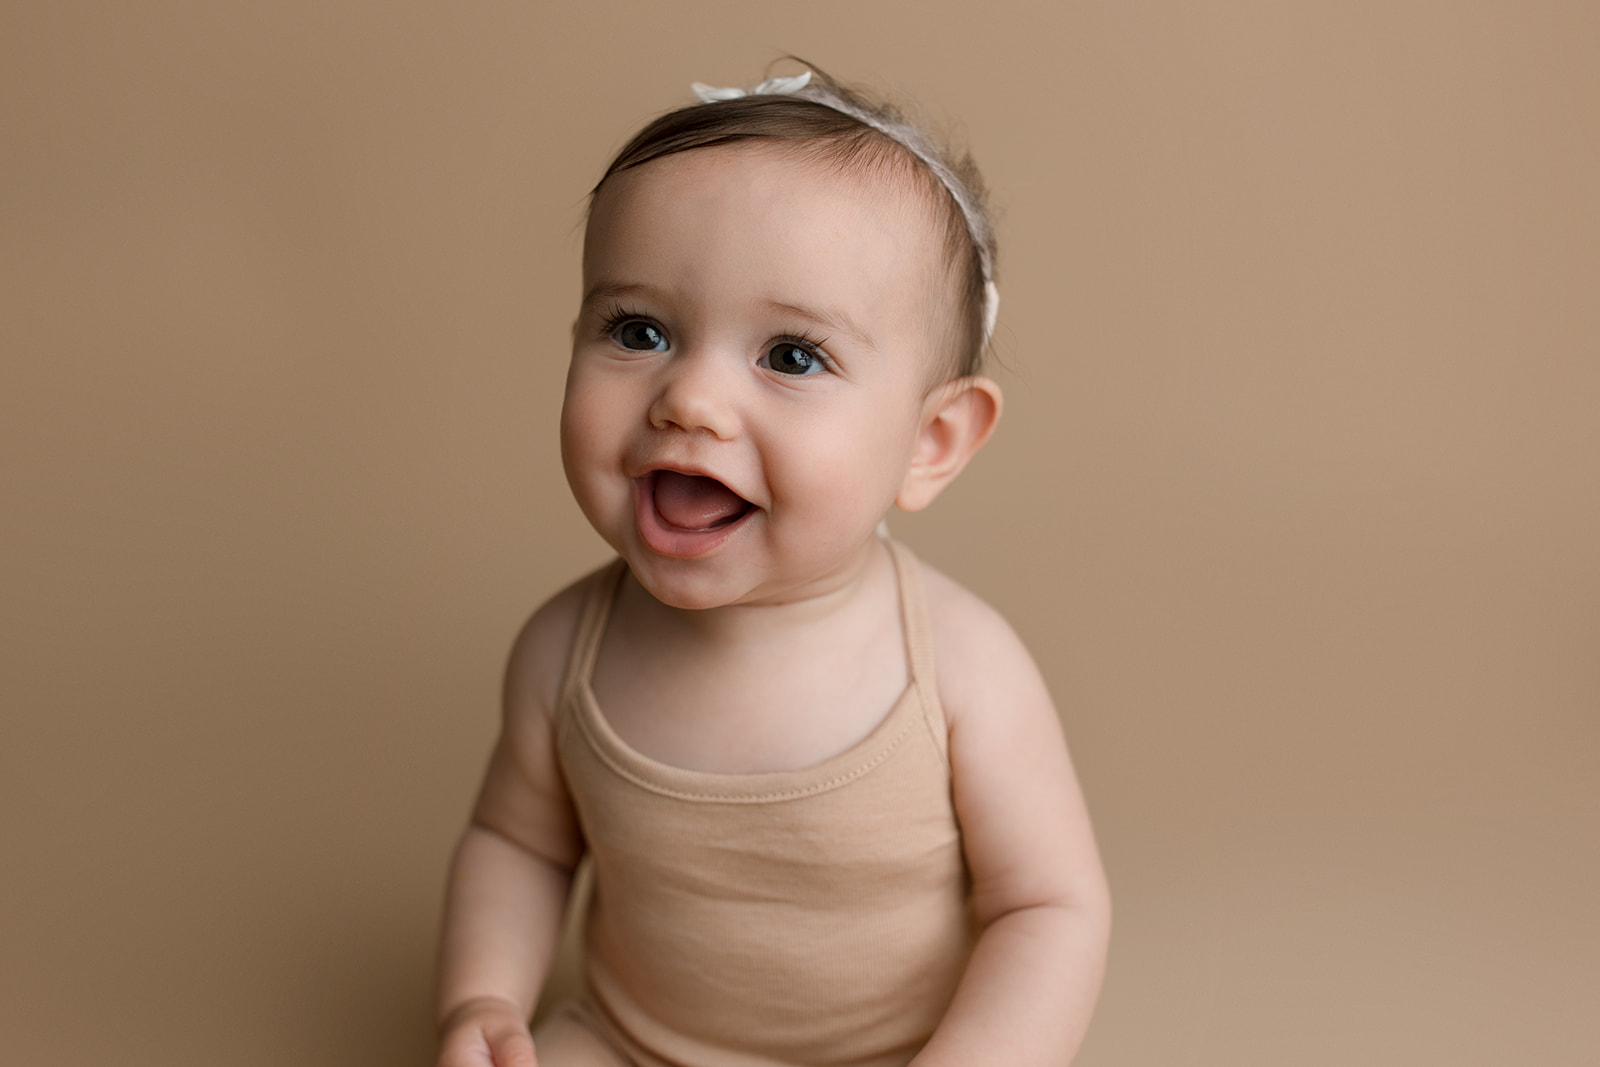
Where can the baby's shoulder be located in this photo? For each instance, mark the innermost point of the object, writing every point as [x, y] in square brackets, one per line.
[980, 660]
[538, 659]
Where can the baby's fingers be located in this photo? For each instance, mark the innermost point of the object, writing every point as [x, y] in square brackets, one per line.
[511, 1046]
[488, 1043]
[465, 1048]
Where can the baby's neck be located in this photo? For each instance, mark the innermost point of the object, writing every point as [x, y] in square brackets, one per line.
[754, 688]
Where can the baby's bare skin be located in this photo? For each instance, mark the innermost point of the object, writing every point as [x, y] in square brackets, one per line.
[700, 270]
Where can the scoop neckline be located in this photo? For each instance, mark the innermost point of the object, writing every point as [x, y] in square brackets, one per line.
[831, 773]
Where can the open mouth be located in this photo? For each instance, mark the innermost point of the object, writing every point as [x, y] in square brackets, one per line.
[687, 514]
[695, 502]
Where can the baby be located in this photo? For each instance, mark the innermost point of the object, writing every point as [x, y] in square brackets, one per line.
[831, 816]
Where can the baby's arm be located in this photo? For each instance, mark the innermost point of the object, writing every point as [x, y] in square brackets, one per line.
[512, 869]
[1038, 888]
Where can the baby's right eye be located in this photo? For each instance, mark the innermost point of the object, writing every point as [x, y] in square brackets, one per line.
[641, 336]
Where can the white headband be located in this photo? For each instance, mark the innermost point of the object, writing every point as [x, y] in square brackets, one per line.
[910, 138]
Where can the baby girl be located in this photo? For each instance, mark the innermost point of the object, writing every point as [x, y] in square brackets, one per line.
[831, 816]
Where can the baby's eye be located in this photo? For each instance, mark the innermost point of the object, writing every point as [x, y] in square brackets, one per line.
[641, 336]
[787, 357]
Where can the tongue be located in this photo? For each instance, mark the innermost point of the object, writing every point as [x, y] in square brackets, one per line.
[695, 503]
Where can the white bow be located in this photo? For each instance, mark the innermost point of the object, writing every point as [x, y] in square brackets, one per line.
[709, 94]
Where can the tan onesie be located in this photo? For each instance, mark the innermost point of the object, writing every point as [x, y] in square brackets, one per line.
[814, 917]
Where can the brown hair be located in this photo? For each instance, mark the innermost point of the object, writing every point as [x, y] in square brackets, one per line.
[839, 127]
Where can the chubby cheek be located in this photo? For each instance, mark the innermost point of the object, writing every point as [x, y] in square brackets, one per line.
[590, 450]
[847, 479]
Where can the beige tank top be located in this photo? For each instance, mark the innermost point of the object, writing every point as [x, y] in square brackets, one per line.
[815, 917]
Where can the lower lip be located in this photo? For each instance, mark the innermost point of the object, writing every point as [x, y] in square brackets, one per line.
[676, 541]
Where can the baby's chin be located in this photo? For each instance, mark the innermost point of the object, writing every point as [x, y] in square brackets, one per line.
[701, 585]
[684, 593]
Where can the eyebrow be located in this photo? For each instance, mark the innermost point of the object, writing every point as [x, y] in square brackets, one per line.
[833, 320]
[612, 290]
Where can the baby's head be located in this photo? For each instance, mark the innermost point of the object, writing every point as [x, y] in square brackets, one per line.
[787, 294]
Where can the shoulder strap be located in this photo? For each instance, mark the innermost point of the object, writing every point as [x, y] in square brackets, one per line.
[591, 627]
[919, 641]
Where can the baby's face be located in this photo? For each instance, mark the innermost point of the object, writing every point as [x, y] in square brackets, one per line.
[749, 370]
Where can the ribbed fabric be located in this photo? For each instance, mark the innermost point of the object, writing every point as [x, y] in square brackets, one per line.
[812, 917]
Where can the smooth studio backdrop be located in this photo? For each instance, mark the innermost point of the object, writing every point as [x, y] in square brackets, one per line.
[1297, 497]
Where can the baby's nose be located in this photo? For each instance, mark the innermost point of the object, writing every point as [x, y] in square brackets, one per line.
[696, 395]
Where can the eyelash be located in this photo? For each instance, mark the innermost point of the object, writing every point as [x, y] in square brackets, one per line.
[616, 315]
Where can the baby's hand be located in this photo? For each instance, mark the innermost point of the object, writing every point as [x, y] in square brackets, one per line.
[486, 1032]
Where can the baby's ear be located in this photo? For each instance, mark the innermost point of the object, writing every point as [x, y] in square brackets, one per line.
[957, 418]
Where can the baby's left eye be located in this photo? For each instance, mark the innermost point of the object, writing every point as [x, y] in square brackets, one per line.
[786, 357]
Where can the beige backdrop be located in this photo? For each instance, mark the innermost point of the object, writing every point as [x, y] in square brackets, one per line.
[1297, 499]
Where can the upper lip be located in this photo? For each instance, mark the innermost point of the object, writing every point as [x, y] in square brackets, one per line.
[692, 469]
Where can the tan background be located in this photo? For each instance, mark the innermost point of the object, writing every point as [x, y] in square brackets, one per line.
[1297, 499]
